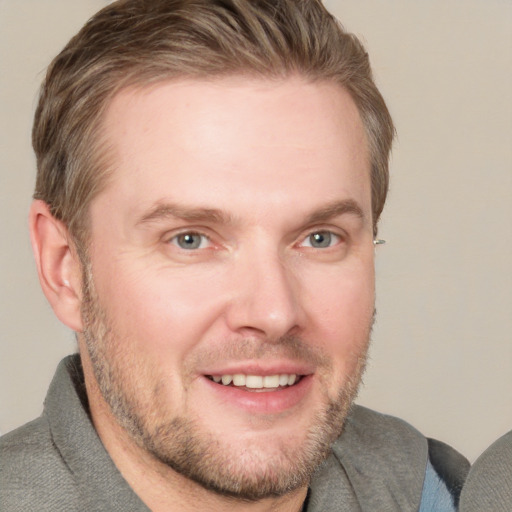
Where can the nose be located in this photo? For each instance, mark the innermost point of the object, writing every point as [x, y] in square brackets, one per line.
[265, 301]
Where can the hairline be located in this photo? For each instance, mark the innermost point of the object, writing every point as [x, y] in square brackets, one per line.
[103, 151]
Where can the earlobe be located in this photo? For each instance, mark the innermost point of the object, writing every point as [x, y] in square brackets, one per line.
[57, 263]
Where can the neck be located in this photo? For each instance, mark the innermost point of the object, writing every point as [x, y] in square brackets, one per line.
[156, 484]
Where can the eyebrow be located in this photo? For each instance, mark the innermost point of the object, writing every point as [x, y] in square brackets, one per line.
[336, 209]
[163, 211]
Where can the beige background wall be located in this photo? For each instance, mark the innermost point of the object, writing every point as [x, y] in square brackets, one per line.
[442, 354]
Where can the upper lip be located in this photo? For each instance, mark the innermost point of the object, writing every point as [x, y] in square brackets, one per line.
[260, 368]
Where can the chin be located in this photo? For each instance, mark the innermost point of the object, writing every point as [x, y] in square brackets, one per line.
[251, 466]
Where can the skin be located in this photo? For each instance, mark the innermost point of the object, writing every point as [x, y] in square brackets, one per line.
[250, 169]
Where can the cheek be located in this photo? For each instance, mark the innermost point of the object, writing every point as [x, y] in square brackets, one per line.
[157, 311]
[341, 313]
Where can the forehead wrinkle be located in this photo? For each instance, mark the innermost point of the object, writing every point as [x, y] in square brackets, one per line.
[162, 211]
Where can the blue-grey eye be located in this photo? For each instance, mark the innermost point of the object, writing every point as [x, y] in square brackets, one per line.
[321, 239]
[190, 241]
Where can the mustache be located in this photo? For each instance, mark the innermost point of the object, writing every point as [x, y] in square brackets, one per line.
[285, 347]
[289, 346]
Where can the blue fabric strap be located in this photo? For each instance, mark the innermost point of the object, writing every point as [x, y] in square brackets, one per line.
[435, 496]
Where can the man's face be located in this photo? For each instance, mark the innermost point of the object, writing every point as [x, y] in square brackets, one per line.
[233, 244]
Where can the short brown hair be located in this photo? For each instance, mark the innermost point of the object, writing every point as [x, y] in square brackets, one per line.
[139, 42]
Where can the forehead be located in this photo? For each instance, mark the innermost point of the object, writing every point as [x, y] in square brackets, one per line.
[236, 135]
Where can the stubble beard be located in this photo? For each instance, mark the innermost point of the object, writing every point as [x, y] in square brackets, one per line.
[185, 446]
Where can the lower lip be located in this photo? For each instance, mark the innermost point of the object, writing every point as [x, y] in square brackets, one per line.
[263, 402]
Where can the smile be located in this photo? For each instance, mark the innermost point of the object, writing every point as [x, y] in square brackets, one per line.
[257, 382]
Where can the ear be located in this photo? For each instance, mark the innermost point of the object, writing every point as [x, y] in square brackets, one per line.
[57, 263]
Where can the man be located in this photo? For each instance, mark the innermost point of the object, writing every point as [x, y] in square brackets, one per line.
[210, 179]
[489, 483]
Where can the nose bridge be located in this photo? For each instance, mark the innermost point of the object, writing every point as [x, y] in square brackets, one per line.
[265, 296]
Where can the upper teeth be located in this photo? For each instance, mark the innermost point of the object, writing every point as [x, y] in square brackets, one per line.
[256, 381]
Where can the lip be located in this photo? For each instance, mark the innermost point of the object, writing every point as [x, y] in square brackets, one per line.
[264, 403]
[260, 368]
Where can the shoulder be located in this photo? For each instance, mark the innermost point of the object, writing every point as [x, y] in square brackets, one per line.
[393, 438]
[32, 469]
[25, 446]
[369, 437]
[374, 427]
[382, 462]
[489, 483]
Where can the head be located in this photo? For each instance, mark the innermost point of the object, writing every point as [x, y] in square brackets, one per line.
[138, 43]
[239, 151]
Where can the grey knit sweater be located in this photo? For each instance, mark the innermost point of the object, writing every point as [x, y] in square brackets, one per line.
[488, 487]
